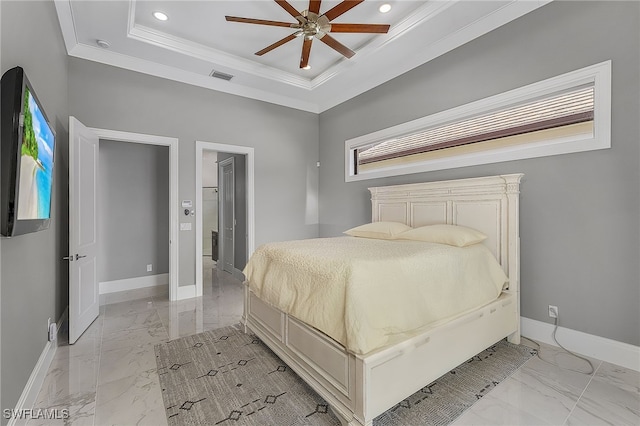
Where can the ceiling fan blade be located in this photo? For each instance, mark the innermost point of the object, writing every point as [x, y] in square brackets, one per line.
[286, 6]
[314, 6]
[341, 8]
[261, 22]
[276, 44]
[306, 50]
[337, 46]
[360, 28]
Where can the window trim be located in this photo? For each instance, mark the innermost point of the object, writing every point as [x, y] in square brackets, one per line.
[599, 75]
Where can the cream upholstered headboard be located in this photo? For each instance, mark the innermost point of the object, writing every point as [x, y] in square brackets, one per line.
[488, 204]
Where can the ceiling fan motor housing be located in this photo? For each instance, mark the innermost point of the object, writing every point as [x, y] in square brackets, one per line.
[314, 25]
[310, 24]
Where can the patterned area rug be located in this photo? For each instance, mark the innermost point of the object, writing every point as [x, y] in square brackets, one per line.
[225, 377]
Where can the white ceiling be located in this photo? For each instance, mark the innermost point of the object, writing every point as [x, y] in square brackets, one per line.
[197, 40]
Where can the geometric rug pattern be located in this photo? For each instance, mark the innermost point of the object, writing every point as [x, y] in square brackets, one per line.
[226, 377]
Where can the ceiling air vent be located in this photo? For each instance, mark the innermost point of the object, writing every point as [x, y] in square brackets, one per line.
[221, 75]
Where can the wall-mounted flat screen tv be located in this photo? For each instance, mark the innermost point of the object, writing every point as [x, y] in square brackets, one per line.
[27, 149]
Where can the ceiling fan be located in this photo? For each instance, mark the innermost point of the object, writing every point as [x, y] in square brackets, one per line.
[312, 25]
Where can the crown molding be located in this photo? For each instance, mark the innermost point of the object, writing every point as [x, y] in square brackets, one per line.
[96, 54]
[419, 16]
[341, 82]
[431, 50]
[195, 50]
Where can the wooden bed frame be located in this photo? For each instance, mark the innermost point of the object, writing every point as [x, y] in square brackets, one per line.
[361, 387]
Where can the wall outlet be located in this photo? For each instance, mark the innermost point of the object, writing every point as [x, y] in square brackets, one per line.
[52, 330]
[149, 267]
[553, 311]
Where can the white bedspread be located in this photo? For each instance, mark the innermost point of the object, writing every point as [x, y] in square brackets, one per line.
[364, 293]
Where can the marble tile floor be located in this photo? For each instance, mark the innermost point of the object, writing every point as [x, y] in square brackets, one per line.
[108, 377]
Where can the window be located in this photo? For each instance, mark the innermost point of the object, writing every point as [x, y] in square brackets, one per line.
[569, 113]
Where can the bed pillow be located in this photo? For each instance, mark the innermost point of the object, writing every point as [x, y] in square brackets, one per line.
[379, 230]
[453, 235]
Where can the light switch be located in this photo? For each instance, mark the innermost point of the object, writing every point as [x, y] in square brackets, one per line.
[185, 226]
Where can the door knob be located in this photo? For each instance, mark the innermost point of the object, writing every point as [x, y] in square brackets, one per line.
[69, 258]
[80, 257]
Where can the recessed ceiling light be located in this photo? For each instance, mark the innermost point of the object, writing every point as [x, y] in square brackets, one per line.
[385, 8]
[160, 16]
[103, 43]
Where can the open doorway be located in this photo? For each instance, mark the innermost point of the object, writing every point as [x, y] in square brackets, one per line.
[133, 221]
[171, 145]
[231, 191]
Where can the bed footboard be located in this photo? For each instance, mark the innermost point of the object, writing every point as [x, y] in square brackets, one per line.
[358, 387]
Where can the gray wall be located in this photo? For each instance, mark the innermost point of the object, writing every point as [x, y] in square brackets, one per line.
[134, 210]
[285, 142]
[33, 277]
[579, 212]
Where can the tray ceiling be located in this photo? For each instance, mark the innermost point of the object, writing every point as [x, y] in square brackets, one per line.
[197, 40]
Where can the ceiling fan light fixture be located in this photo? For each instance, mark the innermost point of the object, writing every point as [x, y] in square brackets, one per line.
[307, 67]
[311, 25]
[160, 16]
[384, 8]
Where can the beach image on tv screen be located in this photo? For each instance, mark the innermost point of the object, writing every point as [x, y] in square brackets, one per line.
[36, 163]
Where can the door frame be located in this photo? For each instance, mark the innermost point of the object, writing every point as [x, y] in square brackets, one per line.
[250, 173]
[172, 143]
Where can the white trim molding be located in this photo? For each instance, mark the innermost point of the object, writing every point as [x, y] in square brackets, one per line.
[438, 27]
[145, 281]
[29, 395]
[599, 75]
[199, 51]
[30, 392]
[172, 143]
[604, 349]
[187, 292]
[231, 149]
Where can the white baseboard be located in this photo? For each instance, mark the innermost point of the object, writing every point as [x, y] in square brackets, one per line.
[186, 291]
[134, 283]
[604, 349]
[29, 395]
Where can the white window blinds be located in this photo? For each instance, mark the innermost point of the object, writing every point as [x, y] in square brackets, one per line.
[560, 109]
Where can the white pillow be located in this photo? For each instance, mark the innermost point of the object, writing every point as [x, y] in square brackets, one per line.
[453, 235]
[379, 230]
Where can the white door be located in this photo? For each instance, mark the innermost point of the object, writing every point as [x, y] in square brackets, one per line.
[84, 300]
[227, 216]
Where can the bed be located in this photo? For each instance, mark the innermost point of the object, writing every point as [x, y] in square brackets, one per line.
[362, 384]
